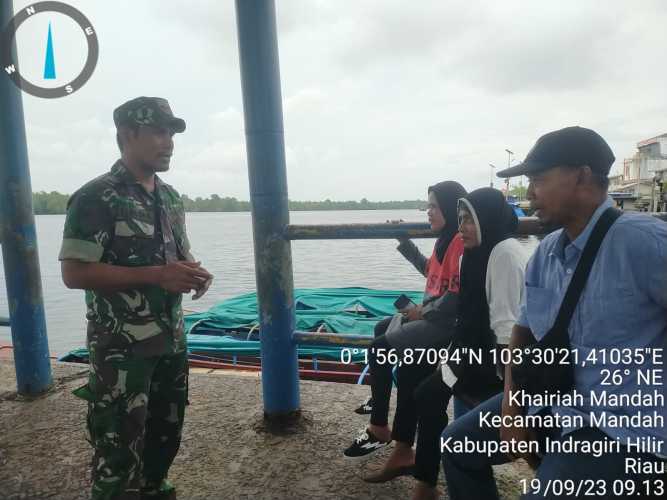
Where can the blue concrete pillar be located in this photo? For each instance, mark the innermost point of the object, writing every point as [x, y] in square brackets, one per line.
[262, 105]
[19, 240]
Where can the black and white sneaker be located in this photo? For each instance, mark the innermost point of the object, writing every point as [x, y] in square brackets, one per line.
[366, 407]
[365, 444]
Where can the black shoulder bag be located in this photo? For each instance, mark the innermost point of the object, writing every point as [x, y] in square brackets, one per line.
[538, 378]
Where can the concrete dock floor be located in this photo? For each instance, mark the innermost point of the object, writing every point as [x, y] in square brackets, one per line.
[225, 454]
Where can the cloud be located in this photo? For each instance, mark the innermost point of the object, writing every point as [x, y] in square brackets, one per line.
[380, 98]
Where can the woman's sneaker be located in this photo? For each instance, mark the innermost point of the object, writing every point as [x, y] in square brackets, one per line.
[366, 407]
[365, 444]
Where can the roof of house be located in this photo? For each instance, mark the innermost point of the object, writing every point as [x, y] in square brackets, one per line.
[652, 140]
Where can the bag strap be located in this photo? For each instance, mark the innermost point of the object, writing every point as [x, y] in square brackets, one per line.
[583, 269]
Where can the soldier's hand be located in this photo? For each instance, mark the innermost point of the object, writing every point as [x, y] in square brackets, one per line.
[203, 288]
[183, 277]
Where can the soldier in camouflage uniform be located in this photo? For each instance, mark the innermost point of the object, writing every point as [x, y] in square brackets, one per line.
[125, 243]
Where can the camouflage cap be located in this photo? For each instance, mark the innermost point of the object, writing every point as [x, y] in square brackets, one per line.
[147, 111]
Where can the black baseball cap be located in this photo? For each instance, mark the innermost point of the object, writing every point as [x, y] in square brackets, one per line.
[570, 146]
[147, 111]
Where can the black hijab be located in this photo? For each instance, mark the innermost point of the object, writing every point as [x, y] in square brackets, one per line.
[447, 193]
[496, 221]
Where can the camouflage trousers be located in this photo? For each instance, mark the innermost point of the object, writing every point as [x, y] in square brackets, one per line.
[136, 408]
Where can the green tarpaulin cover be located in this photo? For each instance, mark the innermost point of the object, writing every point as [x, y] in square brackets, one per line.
[338, 310]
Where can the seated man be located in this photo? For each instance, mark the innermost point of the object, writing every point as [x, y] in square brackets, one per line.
[586, 437]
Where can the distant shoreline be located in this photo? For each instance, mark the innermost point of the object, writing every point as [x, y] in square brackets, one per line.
[55, 203]
[291, 210]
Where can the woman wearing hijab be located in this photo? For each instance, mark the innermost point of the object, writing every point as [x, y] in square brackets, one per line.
[428, 325]
[492, 279]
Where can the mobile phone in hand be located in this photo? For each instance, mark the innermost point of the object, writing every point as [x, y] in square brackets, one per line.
[403, 302]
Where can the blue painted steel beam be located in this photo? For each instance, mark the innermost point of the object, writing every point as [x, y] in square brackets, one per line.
[386, 230]
[358, 231]
[391, 230]
[19, 241]
[265, 148]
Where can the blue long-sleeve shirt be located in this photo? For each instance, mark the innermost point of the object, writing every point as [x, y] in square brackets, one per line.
[623, 305]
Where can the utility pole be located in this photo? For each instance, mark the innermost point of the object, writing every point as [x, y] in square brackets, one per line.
[509, 161]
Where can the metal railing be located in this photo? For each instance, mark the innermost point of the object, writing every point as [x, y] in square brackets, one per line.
[388, 230]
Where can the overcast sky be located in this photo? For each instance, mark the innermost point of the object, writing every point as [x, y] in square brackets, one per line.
[380, 98]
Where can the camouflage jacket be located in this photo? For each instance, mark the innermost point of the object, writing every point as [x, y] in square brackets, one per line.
[114, 220]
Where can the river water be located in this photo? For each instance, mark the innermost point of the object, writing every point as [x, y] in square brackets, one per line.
[223, 242]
